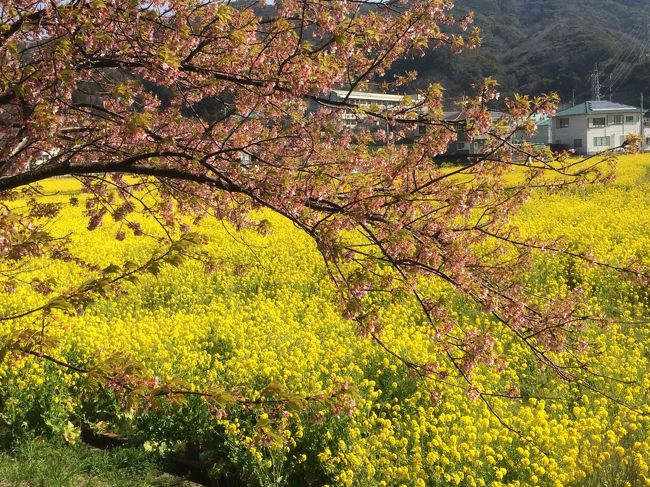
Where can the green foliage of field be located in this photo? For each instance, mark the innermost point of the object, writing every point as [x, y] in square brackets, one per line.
[48, 464]
[265, 314]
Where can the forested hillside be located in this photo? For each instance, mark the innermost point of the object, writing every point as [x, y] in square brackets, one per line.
[534, 46]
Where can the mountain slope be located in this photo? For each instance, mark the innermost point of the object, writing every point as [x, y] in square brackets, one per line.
[534, 46]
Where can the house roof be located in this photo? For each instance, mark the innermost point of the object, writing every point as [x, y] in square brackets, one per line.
[590, 107]
[366, 96]
[456, 116]
[460, 116]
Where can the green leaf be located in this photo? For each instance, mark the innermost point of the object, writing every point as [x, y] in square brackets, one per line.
[175, 260]
[223, 398]
[62, 304]
[130, 266]
[224, 13]
[295, 403]
[139, 120]
[112, 269]
[154, 268]
[274, 389]
[263, 424]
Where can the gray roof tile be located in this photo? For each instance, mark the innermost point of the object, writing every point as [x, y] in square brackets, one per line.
[589, 107]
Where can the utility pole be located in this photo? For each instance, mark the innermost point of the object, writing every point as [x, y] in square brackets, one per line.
[595, 84]
[645, 51]
[573, 97]
[642, 126]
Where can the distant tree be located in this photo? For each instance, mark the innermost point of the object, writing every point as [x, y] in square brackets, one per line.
[219, 108]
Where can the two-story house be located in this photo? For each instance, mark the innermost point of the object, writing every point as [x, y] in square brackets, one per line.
[595, 126]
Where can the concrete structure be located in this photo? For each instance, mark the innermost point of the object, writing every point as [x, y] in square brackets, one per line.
[595, 126]
[382, 101]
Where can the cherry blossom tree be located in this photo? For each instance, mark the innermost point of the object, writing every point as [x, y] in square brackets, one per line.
[220, 108]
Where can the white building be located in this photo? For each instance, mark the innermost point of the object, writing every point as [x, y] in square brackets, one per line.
[382, 101]
[595, 126]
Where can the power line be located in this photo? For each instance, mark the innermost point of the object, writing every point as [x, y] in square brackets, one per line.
[646, 38]
[625, 48]
[624, 75]
[625, 62]
[634, 55]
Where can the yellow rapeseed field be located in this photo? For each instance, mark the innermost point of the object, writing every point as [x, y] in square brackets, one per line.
[265, 314]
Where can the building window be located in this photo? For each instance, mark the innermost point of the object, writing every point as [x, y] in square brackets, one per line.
[647, 141]
[630, 118]
[461, 146]
[598, 122]
[563, 123]
[616, 120]
[601, 141]
[577, 143]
